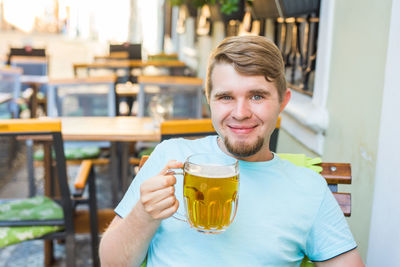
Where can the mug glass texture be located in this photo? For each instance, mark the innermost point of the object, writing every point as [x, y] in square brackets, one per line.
[211, 191]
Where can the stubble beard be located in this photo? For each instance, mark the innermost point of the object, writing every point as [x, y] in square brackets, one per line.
[242, 149]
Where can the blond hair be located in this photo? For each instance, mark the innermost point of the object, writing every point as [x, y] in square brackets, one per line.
[250, 55]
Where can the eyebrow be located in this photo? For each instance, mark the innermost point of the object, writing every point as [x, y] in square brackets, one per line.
[223, 93]
[259, 92]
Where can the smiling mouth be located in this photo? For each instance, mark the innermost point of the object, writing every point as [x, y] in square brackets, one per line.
[242, 129]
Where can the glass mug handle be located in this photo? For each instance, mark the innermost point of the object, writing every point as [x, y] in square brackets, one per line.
[177, 215]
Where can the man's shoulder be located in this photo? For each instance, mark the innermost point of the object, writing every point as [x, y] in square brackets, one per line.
[303, 176]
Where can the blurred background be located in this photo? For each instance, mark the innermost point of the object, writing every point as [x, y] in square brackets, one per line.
[342, 64]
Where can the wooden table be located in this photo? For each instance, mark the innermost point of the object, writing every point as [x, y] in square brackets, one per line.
[128, 64]
[119, 131]
[114, 129]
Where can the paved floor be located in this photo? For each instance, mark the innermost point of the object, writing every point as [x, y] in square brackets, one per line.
[30, 253]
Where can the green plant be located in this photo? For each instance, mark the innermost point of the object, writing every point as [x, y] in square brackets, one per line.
[227, 6]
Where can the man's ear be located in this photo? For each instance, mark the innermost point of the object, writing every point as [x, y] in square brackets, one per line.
[286, 98]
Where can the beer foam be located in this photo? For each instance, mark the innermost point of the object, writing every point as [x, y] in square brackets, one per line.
[212, 171]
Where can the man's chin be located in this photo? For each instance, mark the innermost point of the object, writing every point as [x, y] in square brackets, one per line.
[243, 149]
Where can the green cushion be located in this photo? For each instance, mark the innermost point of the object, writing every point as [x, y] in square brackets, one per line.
[306, 263]
[146, 152]
[73, 153]
[28, 209]
[302, 160]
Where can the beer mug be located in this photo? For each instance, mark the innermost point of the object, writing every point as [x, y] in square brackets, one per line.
[210, 192]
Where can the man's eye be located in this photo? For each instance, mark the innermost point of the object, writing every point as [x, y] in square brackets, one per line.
[225, 97]
[257, 97]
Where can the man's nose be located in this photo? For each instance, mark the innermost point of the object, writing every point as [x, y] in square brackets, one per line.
[242, 110]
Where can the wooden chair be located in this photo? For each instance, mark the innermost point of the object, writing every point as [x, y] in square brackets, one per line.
[187, 93]
[34, 76]
[57, 187]
[26, 51]
[98, 99]
[134, 50]
[102, 88]
[193, 128]
[95, 96]
[335, 174]
[35, 66]
[10, 91]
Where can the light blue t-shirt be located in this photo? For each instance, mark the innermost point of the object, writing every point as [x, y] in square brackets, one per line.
[284, 213]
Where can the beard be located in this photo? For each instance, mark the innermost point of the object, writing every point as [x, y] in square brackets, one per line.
[242, 149]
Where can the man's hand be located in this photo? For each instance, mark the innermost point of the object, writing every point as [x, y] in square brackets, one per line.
[157, 194]
[126, 241]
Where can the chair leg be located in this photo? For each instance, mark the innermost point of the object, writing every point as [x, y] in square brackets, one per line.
[48, 253]
[70, 250]
[94, 231]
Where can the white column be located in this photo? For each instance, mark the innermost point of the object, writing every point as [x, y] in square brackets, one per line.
[384, 238]
[135, 28]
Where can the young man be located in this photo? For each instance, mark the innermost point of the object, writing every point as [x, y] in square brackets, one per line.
[284, 212]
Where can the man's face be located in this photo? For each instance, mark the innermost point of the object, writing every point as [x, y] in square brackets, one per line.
[244, 111]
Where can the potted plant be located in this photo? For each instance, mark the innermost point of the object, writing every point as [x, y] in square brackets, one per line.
[226, 6]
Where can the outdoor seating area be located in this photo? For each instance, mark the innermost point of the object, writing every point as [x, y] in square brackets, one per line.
[290, 102]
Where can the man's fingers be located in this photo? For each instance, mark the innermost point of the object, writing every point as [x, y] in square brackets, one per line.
[158, 195]
[160, 209]
[166, 213]
[172, 164]
[156, 183]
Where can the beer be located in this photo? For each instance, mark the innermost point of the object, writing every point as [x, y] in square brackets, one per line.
[211, 199]
[210, 192]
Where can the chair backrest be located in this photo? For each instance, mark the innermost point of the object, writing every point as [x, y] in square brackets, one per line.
[50, 130]
[201, 127]
[185, 93]
[90, 96]
[273, 141]
[134, 50]
[10, 91]
[335, 174]
[193, 128]
[31, 65]
[27, 51]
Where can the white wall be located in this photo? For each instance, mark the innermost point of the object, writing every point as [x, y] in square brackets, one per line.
[61, 50]
[356, 78]
[384, 240]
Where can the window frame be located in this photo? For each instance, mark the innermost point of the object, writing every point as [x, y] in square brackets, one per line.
[306, 118]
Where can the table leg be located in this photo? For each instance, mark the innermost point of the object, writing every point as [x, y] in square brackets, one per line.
[115, 179]
[124, 160]
[31, 169]
[48, 191]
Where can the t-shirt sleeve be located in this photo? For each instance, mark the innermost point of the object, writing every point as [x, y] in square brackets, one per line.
[330, 235]
[152, 167]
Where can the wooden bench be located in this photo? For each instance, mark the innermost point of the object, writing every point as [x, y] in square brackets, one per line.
[335, 174]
